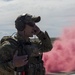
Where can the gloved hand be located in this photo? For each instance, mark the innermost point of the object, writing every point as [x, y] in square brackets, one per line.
[19, 61]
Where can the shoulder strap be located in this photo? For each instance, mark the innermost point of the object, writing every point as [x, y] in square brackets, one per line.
[10, 39]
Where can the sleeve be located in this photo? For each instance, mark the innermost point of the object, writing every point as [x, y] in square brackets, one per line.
[6, 55]
[46, 44]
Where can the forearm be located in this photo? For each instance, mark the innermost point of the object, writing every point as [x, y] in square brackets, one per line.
[46, 41]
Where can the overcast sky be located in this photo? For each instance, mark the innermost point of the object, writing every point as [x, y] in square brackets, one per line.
[55, 14]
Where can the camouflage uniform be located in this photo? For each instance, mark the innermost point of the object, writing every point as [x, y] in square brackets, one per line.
[10, 45]
[8, 49]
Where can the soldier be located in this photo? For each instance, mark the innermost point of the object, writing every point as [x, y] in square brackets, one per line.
[18, 55]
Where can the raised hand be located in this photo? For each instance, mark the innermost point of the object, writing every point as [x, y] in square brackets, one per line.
[36, 30]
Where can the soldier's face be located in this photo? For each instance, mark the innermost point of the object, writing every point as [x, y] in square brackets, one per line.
[29, 31]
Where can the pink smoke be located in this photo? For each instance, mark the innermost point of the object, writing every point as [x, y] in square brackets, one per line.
[62, 57]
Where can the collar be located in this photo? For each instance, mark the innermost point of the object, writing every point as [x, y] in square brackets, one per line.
[21, 39]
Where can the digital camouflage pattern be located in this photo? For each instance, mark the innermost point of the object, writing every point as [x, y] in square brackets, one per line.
[8, 48]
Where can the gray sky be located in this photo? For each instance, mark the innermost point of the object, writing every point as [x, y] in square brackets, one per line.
[55, 14]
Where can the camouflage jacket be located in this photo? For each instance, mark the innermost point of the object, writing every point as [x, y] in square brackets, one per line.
[8, 48]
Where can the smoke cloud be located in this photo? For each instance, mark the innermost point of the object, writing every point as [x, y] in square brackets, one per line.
[62, 57]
